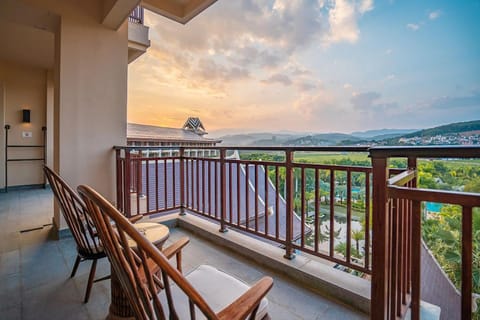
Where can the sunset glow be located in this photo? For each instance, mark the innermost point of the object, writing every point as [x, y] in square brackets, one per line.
[316, 66]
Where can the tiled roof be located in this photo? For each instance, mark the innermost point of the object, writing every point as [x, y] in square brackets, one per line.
[437, 288]
[147, 132]
[158, 197]
[195, 125]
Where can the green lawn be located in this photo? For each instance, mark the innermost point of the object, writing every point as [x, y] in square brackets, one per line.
[317, 157]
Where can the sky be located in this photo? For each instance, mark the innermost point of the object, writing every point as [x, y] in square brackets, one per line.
[311, 66]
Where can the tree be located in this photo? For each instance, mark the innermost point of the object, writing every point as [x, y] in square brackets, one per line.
[473, 185]
[342, 249]
[357, 236]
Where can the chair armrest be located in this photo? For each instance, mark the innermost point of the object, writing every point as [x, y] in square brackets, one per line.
[176, 249]
[135, 218]
[170, 251]
[247, 302]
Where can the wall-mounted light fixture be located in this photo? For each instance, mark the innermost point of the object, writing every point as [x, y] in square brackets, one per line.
[26, 115]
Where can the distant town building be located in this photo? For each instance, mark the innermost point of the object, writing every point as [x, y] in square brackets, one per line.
[463, 138]
[191, 135]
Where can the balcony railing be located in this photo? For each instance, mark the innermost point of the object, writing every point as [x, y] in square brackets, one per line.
[312, 208]
[397, 234]
[137, 15]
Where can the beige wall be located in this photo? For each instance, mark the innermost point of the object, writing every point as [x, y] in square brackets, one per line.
[88, 100]
[23, 88]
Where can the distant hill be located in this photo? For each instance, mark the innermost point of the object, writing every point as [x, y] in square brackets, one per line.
[257, 139]
[322, 139]
[428, 136]
[457, 127]
[385, 136]
[370, 137]
[386, 133]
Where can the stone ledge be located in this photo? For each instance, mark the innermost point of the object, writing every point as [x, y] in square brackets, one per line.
[335, 284]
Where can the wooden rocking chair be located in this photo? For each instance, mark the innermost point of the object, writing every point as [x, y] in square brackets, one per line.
[84, 231]
[204, 293]
[81, 226]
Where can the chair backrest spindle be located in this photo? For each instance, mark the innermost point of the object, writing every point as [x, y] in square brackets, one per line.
[74, 212]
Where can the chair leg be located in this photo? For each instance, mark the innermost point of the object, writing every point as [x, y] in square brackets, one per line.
[90, 280]
[75, 266]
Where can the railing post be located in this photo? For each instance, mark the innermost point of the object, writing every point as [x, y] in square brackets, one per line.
[126, 185]
[182, 181]
[416, 262]
[118, 164]
[7, 127]
[412, 165]
[223, 191]
[380, 252]
[467, 262]
[289, 252]
[44, 131]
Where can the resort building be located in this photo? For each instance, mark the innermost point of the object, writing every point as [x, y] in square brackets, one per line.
[190, 136]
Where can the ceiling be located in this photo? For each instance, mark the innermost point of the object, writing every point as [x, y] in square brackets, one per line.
[26, 45]
[178, 10]
[27, 34]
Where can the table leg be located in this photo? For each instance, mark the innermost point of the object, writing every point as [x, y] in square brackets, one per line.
[120, 305]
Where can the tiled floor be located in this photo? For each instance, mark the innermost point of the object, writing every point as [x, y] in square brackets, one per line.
[35, 268]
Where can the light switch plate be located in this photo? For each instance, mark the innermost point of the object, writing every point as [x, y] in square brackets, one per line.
[27, 134]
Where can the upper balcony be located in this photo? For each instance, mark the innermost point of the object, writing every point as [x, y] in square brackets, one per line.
[138, 41]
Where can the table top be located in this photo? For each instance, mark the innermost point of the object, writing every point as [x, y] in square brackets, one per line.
[156, 233]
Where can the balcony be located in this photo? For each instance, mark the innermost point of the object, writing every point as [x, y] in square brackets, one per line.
[273, 228]
[138, 41]
[34, 269]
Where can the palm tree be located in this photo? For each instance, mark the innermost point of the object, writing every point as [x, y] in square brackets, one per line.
[358, 236]
[342, 249]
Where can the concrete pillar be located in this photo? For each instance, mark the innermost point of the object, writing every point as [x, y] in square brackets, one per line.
[90, 102]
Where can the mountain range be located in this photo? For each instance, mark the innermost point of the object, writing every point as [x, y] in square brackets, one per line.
[383, 136]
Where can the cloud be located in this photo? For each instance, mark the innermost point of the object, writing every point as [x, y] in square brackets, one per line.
[234, 41]
[456, 102]
[347, 86]
[367, 102]
[278, 78]
[342, 18]
[365, 6]
[306, 85]
[313, 106]
[314, 102]
[413, 26]
[364, 100]
[210, 70]
[434, 14]
[390, 77]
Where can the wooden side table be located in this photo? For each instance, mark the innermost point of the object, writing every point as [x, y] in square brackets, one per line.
[120, 305]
